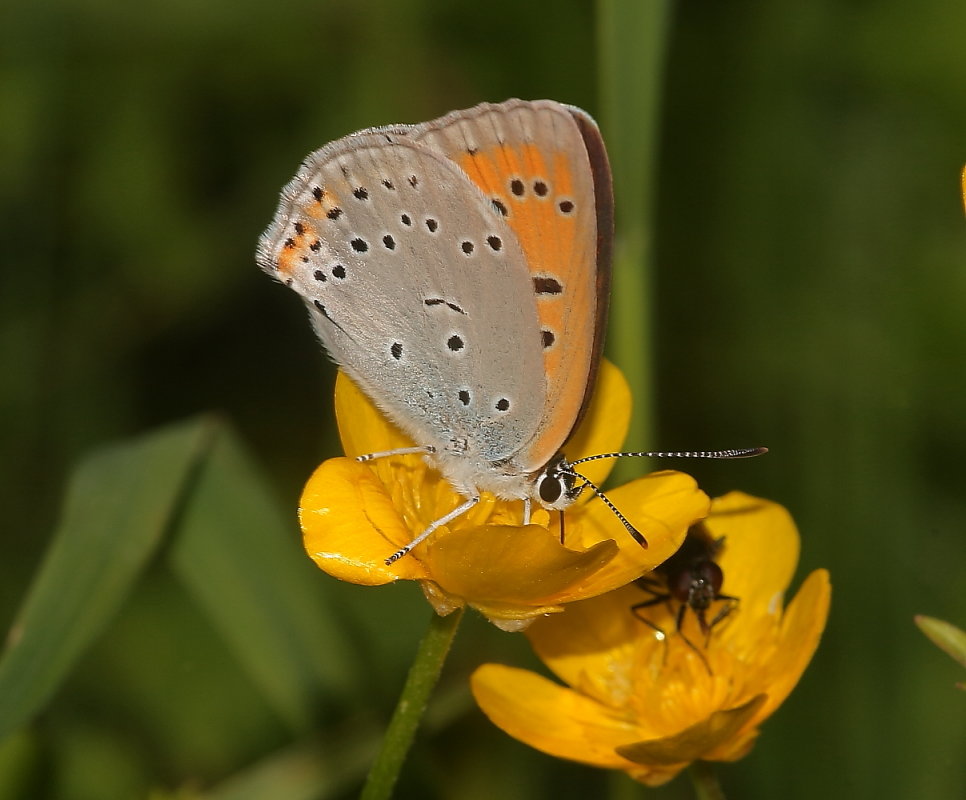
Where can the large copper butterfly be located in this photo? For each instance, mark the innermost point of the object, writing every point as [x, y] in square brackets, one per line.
[458, 271]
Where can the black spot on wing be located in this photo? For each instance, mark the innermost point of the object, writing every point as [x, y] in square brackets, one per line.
[544, 284]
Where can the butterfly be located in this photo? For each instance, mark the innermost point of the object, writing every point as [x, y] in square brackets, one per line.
[459, 272]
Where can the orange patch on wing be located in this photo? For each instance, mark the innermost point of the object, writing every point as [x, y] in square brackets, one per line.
[565, 182]
[323, 203]
[296, 249]
[520, 178]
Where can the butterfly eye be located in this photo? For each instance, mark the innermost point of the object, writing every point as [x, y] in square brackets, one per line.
[555, 488]
[550, 488]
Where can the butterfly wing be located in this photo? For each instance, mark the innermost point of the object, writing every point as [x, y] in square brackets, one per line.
[418, 290]
[543, 165]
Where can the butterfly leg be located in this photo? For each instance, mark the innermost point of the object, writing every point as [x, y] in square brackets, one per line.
[444, 520]
[400, 451]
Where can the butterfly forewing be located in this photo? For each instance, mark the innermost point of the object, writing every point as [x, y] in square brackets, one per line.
[414, 281]
[542, 166]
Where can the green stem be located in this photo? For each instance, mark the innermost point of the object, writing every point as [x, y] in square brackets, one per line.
[631, 47]
[621, 787]
[705, 780]
[422, 677]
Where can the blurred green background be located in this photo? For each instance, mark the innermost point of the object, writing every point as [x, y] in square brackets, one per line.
[808, 293]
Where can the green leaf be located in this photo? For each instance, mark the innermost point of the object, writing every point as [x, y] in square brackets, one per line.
[20, 758]
[120, 501]
[244, 564]
[312, 769]
[944, 635]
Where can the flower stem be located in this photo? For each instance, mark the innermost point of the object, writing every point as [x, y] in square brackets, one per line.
[422, 677]
[631, 47]
[705, 780]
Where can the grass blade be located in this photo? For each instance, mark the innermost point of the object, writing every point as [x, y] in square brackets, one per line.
[631, 44]
[243, 563]
[119, 503]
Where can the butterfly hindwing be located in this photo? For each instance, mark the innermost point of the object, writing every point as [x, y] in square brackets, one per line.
[413, 281]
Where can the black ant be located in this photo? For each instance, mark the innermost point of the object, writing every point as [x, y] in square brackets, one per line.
[693, 579]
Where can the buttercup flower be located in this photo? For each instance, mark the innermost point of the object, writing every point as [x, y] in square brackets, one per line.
[651, 707]
[354, 515]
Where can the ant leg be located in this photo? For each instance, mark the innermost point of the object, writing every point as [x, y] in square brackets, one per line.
[731, 604]
[680, 619]
[656, 600]
[658, 630]
[646, 582]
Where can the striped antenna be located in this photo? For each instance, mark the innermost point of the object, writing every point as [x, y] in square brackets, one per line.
[741, 452]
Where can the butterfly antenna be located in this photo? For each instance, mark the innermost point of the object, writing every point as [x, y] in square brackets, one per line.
[741, 452]
[634, 532]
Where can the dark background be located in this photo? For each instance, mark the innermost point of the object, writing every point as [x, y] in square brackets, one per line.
[810, 292]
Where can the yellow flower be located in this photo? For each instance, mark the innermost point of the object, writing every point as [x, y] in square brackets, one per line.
[354, 515]
[651, 707]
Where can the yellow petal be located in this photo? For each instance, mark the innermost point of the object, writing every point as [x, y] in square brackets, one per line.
[362, 427]
[509, 573]
[349, 525]
[760, 550]
[662, 506]
[694, 742]
[604, 426]
[506, 617]
[499, 567]
[591, 646]
[551, 718]
[801, 628]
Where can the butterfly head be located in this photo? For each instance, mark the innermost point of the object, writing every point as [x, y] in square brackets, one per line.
[555, 486]
[560, 483]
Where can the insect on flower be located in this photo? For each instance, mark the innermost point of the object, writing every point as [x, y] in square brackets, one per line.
[692, 579]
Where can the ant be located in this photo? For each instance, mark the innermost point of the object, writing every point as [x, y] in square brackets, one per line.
[693, 579]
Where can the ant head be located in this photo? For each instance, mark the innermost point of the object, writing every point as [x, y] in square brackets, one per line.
[698, 585]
